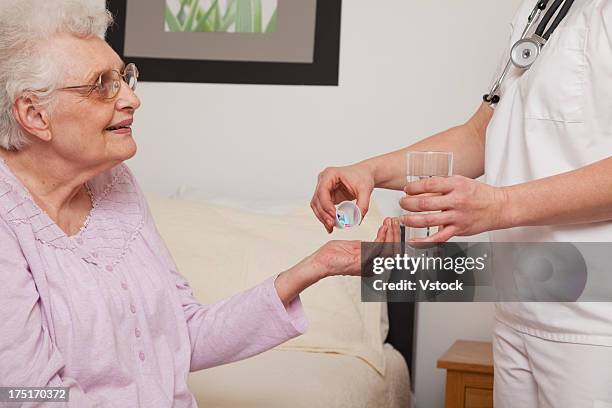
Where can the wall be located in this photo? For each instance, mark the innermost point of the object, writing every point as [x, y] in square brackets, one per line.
[408, 69]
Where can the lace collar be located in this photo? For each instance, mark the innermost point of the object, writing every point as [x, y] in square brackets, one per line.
[115, 219]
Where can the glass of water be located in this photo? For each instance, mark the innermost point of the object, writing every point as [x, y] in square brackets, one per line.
[424, 165]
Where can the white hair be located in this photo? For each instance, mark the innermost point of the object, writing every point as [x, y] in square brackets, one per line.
[25, 25]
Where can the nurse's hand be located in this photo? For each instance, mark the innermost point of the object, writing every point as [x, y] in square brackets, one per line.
[337, 184]
[467, 206]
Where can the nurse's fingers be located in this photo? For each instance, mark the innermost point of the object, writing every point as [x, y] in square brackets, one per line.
[322, 201]
[323, 196]
[431, 185]
[443, 235]
[316, 212]
[425, 203]
[322, 216]
[363, 201]
[428, 220]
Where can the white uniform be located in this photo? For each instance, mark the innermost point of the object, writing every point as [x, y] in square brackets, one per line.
[555, 118]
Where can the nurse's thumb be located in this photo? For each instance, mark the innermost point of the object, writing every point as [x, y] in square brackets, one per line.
[363, 202]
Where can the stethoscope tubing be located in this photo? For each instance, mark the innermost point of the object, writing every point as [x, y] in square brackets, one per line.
[539, 38]
[567, 4]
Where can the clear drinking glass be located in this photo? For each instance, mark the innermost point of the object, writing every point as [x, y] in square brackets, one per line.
[423, 165]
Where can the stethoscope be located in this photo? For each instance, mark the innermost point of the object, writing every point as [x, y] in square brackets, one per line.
[526, 50]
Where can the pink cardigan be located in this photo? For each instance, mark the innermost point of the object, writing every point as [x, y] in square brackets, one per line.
[106, 313]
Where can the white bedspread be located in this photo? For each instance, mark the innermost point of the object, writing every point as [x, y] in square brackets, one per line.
[294, 379]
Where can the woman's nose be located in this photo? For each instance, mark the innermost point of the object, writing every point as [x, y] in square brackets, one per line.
[127, 98]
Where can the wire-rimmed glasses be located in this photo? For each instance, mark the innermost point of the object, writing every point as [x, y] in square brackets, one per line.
[108, 83]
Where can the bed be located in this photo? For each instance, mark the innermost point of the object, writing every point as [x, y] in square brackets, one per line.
[354, 354]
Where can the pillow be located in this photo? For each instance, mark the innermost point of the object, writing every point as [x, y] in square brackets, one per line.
[222, 251]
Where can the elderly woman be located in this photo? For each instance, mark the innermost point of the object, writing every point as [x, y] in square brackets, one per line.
[90, 298]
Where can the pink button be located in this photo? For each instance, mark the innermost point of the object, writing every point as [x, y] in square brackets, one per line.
[133, 308]
[124, 285]
[95, 255]
[109, 268]
[137, 333]
[141, 356]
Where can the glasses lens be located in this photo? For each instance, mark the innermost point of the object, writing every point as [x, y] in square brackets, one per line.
[131, 76]
[110, 84]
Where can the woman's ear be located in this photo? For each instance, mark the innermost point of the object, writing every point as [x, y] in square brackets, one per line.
[32, 118]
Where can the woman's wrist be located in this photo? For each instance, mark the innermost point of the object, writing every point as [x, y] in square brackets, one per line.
[312, 270]
[290, 283]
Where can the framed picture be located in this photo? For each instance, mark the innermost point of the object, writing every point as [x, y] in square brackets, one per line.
[288, 42]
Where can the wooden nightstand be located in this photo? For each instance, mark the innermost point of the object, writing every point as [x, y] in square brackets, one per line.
[469, 374]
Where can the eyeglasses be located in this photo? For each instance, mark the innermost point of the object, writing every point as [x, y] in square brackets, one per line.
[108, 84]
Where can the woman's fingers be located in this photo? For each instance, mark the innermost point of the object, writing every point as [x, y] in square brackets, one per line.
[392, 230]
[396, 236]
[389, 235]
[396, 230]
[382, 233]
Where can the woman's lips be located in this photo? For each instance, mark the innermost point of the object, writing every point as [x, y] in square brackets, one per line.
[121, 131]
[122, 127]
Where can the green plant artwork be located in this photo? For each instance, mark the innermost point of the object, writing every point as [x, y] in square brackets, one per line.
[221, 16]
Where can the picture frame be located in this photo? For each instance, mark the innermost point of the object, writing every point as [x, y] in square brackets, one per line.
[322, 68]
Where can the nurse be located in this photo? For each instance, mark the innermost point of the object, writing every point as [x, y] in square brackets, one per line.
[545, 152]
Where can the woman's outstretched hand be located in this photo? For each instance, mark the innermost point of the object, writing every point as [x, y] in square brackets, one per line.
[332, 259]
[344, 257]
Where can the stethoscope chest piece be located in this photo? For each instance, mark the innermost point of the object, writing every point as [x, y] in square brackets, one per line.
[525, 52]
